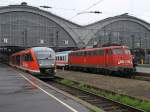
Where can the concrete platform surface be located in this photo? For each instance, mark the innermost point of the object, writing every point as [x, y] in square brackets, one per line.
[143, 69]
[22, 93]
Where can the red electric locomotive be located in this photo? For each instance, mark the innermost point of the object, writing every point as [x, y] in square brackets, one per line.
[107, 60]
[40, 61]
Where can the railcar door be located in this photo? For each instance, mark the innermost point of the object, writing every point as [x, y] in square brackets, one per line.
[108, 58]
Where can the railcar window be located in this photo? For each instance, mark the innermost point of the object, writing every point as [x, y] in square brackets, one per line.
[13, 60]
[45, 55]
[18, 60]
[28, 57]
[118, 51]
[60, 58]
[65, 58]
[56, 58]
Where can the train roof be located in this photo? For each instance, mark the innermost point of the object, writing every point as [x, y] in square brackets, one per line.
[63, 52]
[89, 49]
[35, 49]
[42, 48]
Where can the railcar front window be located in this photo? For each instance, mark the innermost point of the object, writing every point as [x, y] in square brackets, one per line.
[44, 55]
[118, 51]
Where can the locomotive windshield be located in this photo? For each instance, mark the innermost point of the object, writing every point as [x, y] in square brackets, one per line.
[44, 55]
[121, 51]
[127, 51]
[118, 51]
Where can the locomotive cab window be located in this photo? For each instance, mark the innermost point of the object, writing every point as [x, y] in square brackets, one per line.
[118, 51]
[127, 51]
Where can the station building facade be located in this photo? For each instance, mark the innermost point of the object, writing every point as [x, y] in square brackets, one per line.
[23, 26]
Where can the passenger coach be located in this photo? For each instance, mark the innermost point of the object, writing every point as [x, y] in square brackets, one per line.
[62, 59]
[39, 61]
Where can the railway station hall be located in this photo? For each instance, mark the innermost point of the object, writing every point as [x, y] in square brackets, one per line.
[53, 63]
[23, 26]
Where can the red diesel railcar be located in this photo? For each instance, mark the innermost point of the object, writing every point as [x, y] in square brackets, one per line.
[39, 61]
[107, 59]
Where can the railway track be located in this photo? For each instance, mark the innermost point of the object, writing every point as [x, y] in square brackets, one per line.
[98, 101]
[142, 76]
[137, 75]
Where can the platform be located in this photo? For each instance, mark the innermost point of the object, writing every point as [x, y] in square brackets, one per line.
[143, 69]
[23, 93]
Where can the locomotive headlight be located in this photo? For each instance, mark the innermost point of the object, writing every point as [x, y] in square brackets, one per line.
[129, 61]
[124, 62]
[121, 61]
